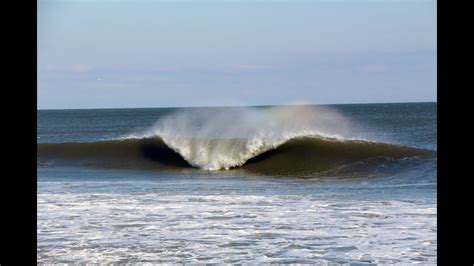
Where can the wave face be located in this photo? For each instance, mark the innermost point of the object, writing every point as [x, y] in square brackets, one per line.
[278, 140]
[302, 156]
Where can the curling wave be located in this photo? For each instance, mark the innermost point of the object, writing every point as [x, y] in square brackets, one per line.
[307, 154]
[286, 140]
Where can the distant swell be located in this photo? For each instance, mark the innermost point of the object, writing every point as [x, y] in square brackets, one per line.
[308, 155]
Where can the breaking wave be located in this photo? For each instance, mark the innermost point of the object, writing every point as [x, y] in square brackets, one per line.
[299, 155]
[276, 141]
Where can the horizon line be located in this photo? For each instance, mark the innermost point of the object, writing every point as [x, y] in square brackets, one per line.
[209, 106]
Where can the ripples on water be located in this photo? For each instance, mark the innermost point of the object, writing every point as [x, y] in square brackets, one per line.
[160, 227]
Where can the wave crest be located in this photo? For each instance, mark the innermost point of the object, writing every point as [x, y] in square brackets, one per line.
[212, 140]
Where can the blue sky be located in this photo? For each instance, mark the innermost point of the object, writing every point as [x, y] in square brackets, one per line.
[114, 54]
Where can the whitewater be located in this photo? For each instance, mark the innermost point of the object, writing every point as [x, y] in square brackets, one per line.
[221, 140]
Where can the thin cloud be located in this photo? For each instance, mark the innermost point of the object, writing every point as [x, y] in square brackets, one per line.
[246, 66]
[80, 68]
[372, 68]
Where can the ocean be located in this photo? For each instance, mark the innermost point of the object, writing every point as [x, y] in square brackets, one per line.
[349, 183]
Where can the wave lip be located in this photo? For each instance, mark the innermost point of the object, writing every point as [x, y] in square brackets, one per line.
[213, 140]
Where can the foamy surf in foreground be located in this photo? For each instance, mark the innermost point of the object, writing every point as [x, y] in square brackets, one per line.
[159, 226]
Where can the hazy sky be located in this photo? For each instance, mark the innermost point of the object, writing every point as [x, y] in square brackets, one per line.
[103, 54]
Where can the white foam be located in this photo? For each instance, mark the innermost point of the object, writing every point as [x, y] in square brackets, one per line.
[173, 227]
[215, 139]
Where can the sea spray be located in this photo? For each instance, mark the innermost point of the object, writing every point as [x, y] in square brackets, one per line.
[212, 140]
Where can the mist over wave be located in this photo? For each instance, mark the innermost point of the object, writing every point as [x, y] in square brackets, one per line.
[228, 138]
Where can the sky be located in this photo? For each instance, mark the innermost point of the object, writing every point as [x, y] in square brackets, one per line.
[144, 53]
